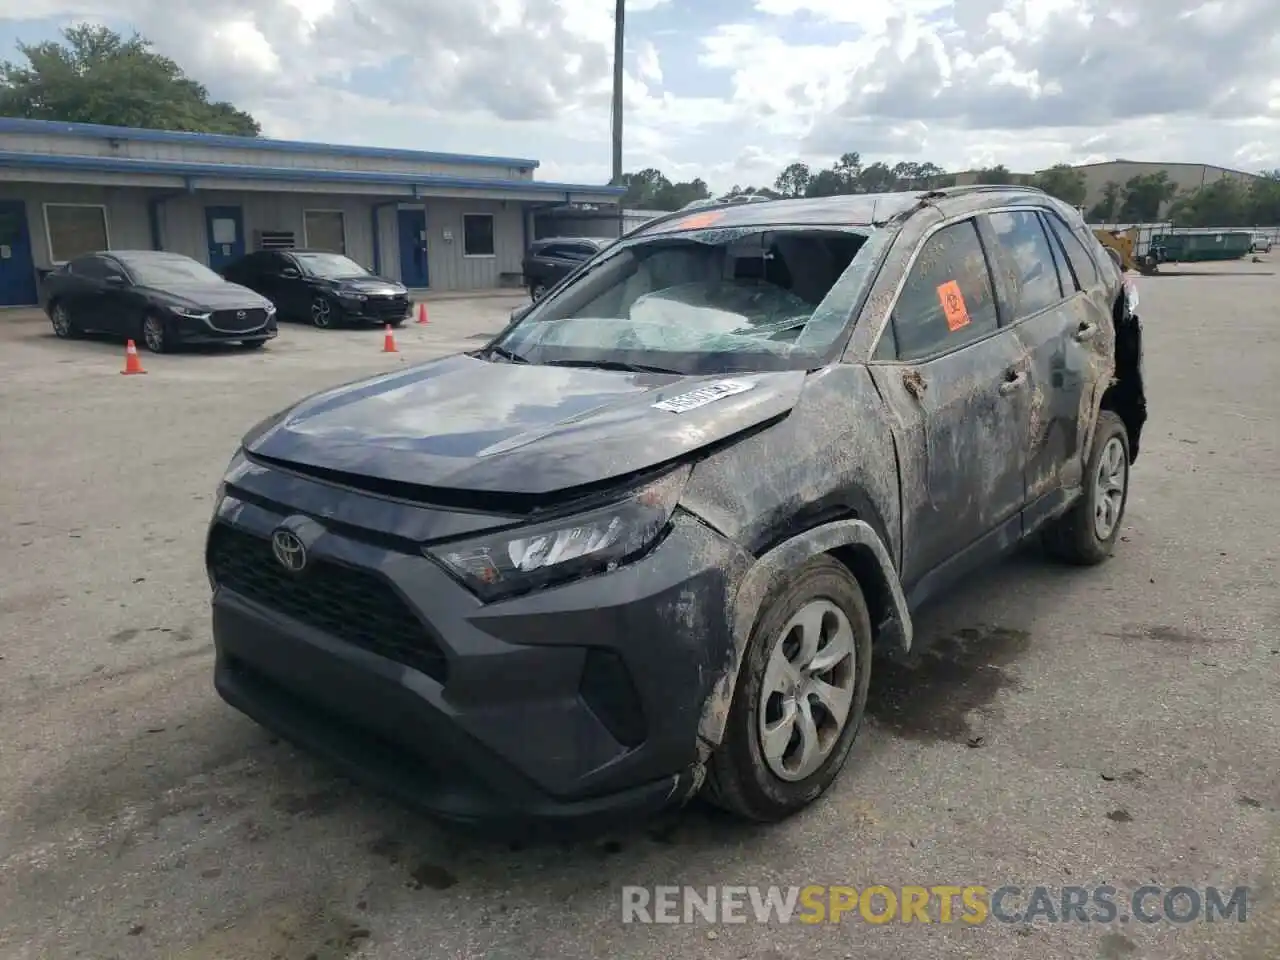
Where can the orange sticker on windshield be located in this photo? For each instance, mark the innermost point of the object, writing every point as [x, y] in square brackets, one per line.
[953, 307]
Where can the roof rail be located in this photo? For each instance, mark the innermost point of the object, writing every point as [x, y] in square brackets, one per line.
[967, 188]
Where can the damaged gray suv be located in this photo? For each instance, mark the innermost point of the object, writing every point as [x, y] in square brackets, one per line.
[646, 541]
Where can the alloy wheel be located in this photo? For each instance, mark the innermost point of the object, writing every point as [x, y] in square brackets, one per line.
[321, 312]
[153, 333]
[1109, 488]
[807, 690]
[61, 319]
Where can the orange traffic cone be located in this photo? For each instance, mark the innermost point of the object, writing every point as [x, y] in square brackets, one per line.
[389, 341]
[422, 313]
[131, 362]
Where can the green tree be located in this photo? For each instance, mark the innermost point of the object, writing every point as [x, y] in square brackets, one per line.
[1264, 199]
[1064, 182]
[1145, 195]
[649, 189]
[998, 174]
[96, 76]
[878, 178]
[1107, 209]
[794, 180]
[1223, 203]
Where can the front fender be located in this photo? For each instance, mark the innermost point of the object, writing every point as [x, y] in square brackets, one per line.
[755, 584]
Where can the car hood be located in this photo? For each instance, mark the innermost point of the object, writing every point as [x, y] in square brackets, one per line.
[468, 424]
[369, 286]
[212, 296]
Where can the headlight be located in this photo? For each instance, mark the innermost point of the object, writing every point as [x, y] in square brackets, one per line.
[271, 309]
[516, 561]
[357, 297]
[191, 314]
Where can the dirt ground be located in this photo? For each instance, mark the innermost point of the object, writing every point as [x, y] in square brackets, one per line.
[1113, 725]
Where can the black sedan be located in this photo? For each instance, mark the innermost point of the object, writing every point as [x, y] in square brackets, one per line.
[162, 299]
[322, 288]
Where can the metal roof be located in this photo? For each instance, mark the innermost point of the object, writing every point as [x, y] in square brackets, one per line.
[236, 171]
[51, 128]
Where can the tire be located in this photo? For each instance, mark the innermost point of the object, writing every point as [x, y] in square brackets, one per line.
[740, 778]
[322, 314]
[64, 328]
[1080, 536]
[253, 344]
[154, 335]
[397, 324]
[537, 291]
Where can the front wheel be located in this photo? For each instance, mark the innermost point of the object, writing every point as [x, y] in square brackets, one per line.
[800, 698]
[1086, 534]
[154, 334]
[322, 313]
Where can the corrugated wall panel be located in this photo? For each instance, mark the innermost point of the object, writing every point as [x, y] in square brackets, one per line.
[126, 209]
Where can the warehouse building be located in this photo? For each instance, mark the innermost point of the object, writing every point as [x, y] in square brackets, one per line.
[434, 221]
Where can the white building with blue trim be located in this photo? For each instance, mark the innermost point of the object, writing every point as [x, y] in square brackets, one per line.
[434, 221]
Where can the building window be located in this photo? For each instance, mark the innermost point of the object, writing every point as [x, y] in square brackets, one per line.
[324, 230]
[75, 229]
[477, 235]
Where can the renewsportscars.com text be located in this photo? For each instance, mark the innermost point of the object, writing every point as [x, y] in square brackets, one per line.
[970, 904]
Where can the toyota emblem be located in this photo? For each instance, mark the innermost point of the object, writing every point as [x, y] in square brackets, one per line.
[289, 550]
[239, 314]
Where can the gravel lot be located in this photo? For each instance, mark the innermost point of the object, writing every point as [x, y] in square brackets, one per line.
[1128, 716]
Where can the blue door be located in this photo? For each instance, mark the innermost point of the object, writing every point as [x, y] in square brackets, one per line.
[413, 247]
[17, 270]
[225, 228]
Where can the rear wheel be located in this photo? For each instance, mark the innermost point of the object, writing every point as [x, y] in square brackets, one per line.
[800, 697]
[63, 326]
[1086, 534]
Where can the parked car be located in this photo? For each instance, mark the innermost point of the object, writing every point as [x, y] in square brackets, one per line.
[549, 261]
[322, 288]
[1261, 244]
[646, 540]
[162, 299]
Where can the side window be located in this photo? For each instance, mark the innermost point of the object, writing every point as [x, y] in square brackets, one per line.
[1066, 278]
[582, 251]
[90, 268]
[1082, 264]
[948, 299]
[1027, 256]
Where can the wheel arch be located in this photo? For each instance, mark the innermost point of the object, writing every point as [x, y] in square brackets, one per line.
[857, 545]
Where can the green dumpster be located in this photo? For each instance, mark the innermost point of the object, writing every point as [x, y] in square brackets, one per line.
[1197, 247]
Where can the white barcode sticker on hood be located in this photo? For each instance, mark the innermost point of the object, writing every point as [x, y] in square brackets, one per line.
[704, 395]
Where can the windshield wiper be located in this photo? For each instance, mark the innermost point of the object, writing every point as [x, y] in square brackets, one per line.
[509, 355]
[609, 365]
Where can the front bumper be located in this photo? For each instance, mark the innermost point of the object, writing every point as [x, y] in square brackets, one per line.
[376, 309]
[571, 705]
[194, 330]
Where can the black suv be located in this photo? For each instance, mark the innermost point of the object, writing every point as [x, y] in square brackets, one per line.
[323, 288]
[646, 540]
[549, 261]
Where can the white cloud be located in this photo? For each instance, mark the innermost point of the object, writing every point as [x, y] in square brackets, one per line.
[962, 83]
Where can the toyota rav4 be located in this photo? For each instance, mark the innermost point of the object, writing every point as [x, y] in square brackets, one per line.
[646, 541]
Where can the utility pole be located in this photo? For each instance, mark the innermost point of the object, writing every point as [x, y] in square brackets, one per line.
[619, 16]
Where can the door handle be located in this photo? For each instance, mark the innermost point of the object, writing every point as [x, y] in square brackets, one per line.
[1087, 331]
[1012, 382]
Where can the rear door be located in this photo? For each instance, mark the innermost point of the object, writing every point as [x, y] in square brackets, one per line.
[88, 296]
[955, 383]
[1057, 317]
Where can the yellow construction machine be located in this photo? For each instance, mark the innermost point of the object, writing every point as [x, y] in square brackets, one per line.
[1125, 244]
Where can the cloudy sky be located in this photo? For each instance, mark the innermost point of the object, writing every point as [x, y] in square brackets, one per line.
[733, 90]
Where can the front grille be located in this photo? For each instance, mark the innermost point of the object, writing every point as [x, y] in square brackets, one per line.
[231, 321]
[349, 604]
[386, 308]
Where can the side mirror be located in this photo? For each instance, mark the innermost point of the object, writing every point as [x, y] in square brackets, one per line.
[115, 280]
[290, 272]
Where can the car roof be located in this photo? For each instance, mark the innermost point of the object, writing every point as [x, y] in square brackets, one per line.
[127, 255]
[846, 210]
[594, 241]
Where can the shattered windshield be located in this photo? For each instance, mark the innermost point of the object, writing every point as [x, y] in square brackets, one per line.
[712, 301]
